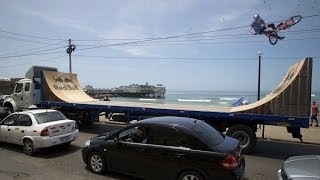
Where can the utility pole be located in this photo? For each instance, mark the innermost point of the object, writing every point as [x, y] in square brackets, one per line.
[70, 49]
[259, 76]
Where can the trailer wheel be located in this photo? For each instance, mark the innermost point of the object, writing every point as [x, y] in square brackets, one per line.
[245, 135]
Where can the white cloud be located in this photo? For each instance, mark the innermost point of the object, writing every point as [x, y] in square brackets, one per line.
[126, 31]
[61, 21]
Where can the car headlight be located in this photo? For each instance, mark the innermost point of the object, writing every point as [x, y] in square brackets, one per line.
[87, 143]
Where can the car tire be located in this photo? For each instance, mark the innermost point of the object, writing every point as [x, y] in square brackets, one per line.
[28, 147]
[245, 135]
[190, 175]
[97, 163]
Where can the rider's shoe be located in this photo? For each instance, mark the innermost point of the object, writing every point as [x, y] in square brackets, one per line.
[281, 37]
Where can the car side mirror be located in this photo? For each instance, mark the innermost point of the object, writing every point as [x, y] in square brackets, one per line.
[116, 140]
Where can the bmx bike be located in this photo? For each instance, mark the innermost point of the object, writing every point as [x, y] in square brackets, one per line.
[273, 34]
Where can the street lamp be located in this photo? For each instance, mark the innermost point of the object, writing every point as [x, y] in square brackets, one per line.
[259, 72]
[258, 98]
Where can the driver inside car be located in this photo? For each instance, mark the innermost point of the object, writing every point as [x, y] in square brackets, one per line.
[139, 136]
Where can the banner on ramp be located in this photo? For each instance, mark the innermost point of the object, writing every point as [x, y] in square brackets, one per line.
[63, 87]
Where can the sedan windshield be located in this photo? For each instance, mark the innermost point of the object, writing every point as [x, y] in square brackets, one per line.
[49, 117]
[208, 133]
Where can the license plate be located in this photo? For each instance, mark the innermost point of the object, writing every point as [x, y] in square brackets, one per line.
[64, 139]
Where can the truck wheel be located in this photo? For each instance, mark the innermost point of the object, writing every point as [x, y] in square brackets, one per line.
[245, 135]
[8, 108]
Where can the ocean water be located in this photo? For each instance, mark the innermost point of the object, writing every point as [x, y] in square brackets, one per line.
[207, 98]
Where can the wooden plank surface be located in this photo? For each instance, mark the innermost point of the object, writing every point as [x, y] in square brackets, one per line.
[161, 106]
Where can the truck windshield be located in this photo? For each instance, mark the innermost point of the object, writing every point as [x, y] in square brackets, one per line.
[49, 117]
[207, 133]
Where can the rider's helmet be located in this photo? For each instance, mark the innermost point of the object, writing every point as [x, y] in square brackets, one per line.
[256, 16]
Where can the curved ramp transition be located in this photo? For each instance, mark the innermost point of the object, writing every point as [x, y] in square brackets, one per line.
[292, 97]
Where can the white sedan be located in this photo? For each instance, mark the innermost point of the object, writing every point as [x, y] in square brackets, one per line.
[36, 129]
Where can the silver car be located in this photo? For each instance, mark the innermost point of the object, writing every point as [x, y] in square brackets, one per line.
[300, 168]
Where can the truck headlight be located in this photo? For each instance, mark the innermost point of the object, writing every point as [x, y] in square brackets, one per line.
[87, 143]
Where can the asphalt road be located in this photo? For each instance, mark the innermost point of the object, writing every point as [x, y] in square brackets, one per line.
[59, 163]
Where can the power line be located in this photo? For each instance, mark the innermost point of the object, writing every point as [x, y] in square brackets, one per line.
[17, 52]
[34, 53]
[47, 59]
[188, 58]
[23, 40]
[162, 38]
[205, 43]
[314, 15]
[150, 41]
[31, 36]
[182, 35]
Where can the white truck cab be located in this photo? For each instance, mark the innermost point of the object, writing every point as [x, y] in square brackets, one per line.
[26, 91]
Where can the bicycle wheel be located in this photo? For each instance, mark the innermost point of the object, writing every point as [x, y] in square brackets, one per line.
[294, 20]
[273, 37]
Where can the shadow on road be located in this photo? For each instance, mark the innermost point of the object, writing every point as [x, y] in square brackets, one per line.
[114, 175]
[47, 153]
[283, 150]
[57, 151]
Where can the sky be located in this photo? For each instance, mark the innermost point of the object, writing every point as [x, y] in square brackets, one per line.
[111, 49]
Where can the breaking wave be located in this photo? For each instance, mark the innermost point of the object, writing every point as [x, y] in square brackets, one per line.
[194, 100]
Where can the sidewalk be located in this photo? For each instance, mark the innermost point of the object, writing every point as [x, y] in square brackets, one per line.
[310, 135]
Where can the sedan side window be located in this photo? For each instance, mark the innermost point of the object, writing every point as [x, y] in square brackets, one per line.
[134, 134]
[10, 120]
[23, 120]
[168, 137]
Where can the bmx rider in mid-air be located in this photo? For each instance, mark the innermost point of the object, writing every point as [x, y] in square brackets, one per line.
[258, 26]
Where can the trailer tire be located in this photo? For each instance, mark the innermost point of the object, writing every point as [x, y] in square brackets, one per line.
[245, 135]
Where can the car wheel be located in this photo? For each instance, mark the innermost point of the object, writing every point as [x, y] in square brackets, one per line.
[97, 163]
[190, 175]
[28, 147]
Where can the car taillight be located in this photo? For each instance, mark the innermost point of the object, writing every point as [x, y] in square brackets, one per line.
[44, 132]
[230, 162]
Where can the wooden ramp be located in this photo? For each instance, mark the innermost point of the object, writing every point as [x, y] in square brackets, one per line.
[292, 97]
[63, 87]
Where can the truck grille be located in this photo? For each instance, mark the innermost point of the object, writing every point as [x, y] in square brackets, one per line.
[284, 174]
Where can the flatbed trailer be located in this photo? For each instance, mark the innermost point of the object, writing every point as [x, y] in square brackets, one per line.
[288, 105]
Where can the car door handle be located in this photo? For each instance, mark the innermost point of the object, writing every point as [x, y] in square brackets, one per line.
[140, 150]
[179, 155]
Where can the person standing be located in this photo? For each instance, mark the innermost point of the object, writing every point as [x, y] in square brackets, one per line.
[314, 113]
